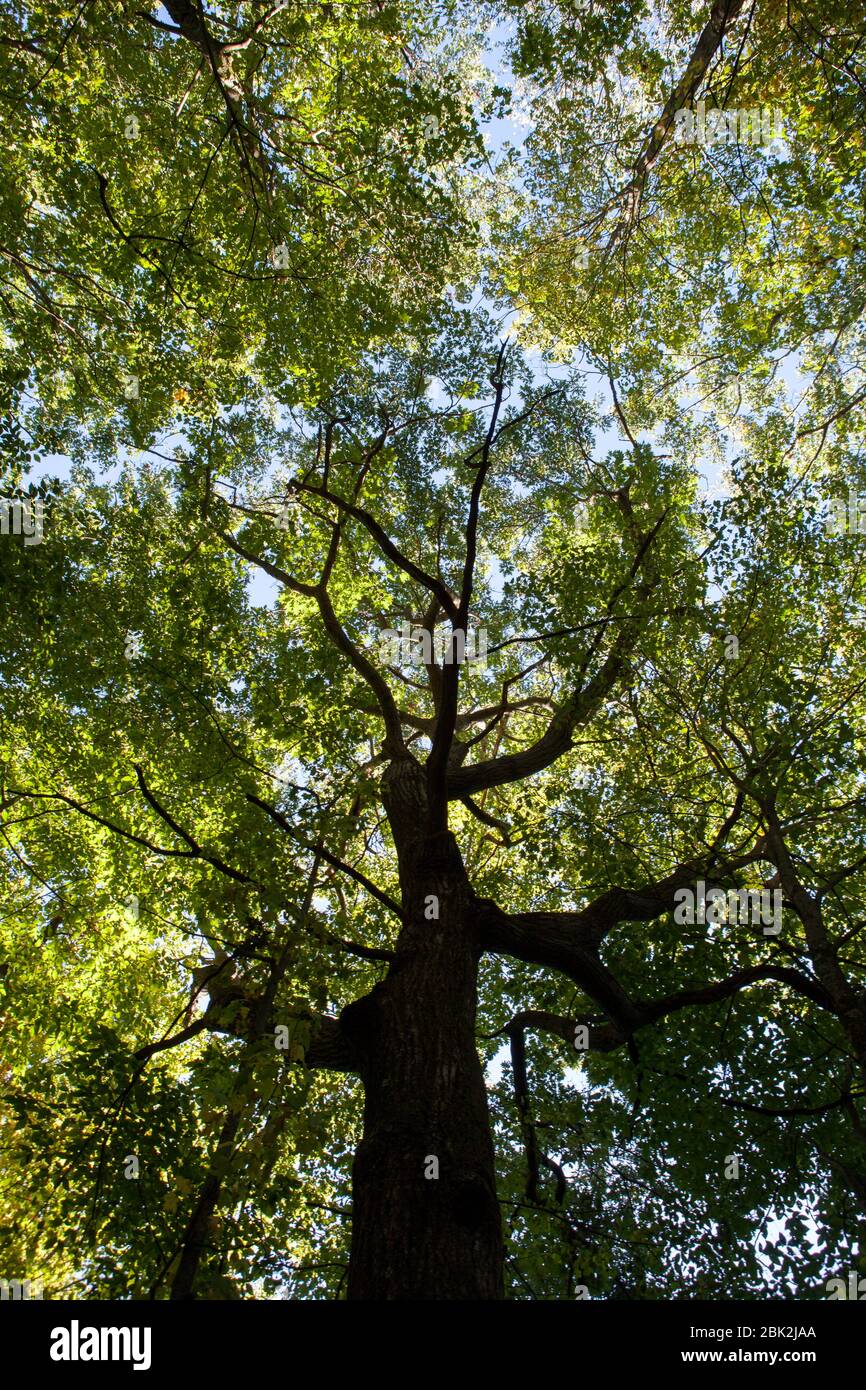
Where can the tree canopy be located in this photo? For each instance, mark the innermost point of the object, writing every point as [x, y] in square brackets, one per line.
[338, 338]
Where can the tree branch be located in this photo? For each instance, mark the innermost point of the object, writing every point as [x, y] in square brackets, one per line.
[438, 760]
[195, 847]
[386, 545]
[340, 638]
[336, 863]
[556, 739]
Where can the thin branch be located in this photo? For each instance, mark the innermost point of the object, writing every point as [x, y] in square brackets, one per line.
[386, 545]
[336, 863]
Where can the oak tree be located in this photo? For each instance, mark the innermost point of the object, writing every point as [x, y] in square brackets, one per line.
[432, 820]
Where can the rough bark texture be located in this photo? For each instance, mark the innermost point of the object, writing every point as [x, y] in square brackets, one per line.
[416, 1236]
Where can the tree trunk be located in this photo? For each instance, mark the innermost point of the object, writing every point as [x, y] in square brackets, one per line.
[426, 1222]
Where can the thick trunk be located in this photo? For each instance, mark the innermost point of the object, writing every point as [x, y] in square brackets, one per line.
[426, 1221]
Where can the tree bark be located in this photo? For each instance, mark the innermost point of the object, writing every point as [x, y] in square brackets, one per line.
[426, 1221]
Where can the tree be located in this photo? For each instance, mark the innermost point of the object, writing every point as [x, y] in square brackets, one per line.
[530, 744]
[201, 210]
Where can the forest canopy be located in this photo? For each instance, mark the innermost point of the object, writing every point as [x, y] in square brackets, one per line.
[432, 767]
